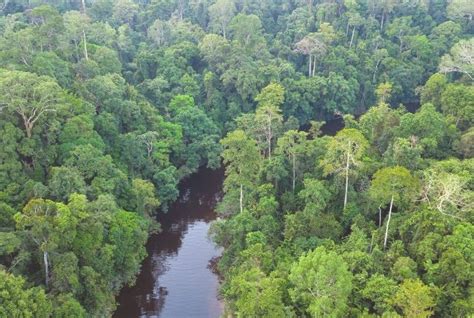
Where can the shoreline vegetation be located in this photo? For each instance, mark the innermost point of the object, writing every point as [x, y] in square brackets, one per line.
[105, 106]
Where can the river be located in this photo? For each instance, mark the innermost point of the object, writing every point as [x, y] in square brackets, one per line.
[176, 279]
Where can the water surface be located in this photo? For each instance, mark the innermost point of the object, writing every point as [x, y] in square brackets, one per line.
[176, 279]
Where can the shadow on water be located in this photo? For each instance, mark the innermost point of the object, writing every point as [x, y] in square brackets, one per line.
[176, 279]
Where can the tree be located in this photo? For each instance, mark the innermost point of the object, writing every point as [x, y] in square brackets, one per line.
[19, 301]
[200, 134]
[457, 100]
[48, 224]
[380, 290]
[392, 184]
[315, 195]
[460, 59]
[143, 193]
[293, 144]
[426, 127]
[447, 192]
[321, 282]
[159, 32]
[466, 144]
[256, 294]
[312, 45]
[383, 92]
[354, 20]
[345, 151]
[415, 299]
[268, 116]
[76, 24]
[444, 36]
[128, 232]
[124, 12]
[49, 24]
[66, 181]
[247, 30]
[386, 7]
[242, 161]
[220, 14]
[67, 306]
[460, 10]
[433, 89]
[379, 126]
[401, 29]
[30, 96]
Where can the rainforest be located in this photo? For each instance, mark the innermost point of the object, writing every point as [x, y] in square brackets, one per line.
[236, 158]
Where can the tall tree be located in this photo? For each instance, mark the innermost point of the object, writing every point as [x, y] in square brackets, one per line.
[313, 46]
[293, 144]
[345, 151]
[242, 160]
[460, 59]
[392, 184]
[268, 116]
[28, 95]
[220, 14]
[48, 224]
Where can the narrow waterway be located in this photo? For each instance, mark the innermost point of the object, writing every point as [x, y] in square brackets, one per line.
[176, 279]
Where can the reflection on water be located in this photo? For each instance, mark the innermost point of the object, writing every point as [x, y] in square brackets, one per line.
[176, 279]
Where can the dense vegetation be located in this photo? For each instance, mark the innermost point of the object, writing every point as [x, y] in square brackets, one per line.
[106, 105]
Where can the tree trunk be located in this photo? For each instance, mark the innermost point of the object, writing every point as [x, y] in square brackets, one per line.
[83, 9]
[314, 66]
[46, 268]
[28, 128]
[241, 198]
[181, 10]
[388, 223]
[310, 68]
[375, 71]
[352, 36]
[86, 55]
[381, 22]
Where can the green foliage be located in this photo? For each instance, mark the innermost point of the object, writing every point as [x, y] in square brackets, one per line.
[414, 299]
[257, 294]
[105, 108]
[393, 182]
[380, 291]
[242, 161]
[18, 301]
[29, 96]
[322, 283]
[390, 158]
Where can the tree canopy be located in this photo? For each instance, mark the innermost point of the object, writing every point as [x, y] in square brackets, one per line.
[105, 106]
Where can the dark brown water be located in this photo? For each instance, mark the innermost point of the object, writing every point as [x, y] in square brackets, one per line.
[176, 279]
